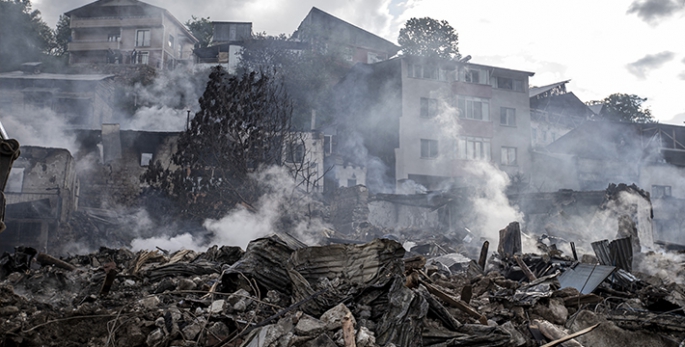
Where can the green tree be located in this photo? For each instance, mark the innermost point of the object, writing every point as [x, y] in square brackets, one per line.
[24, 36]
[62, 36]
[202, 29]
[242, 125]
[307, 73]
[428, 37]
[624, 108]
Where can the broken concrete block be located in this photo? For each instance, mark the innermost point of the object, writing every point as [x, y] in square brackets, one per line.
[309, 326]
[365, 338]
[217, 306]
[322, 341]
[334, 317]
[149, 303]
[155, 338]
[216, 333]
[191, 330]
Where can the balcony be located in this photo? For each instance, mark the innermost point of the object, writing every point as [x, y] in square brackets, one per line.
[105, 22]
[93, 45]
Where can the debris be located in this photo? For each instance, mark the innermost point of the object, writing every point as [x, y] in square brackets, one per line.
[46, 260]
[510, 240]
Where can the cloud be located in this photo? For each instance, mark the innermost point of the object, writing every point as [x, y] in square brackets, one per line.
[682, 76]
[651, 11]
[649, 62]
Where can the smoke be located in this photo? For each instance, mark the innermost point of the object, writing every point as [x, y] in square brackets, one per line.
[282, 208]
[39, 126]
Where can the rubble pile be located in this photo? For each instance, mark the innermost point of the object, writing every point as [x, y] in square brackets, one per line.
[281, 292]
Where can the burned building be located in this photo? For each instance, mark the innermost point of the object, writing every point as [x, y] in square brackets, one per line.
[227, 42]
[427, 119]
[128, 32]
[42, 193]
[81, 100]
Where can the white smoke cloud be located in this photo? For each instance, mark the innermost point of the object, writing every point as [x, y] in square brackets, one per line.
[35, 126]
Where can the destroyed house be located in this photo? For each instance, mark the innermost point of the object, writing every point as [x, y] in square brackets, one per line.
[426, 119]
[112, 161]
[324, 31]
[81, 100]
[42, 192]
[128, 32]
[554, 111]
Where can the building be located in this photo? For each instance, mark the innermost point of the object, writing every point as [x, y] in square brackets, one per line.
[128, 32]
[427, 119]
[42, 193]
[324, 31]
[554, 111]
[228, 40]
[81, 100]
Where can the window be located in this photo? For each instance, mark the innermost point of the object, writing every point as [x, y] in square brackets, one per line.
[373, 58]
[171, 41]
[142, 58]
[427, 72]
[429, 148]
[113, 38]
[508, 83]
[145, 159]
[474, 108]
[658, 192]
[473, 148]
[327, 144]
[142, 38]
[470, 75]
[348, 53]
[507, 116]
[15, 181]
[351, 182]
[429, 107]
[294, 153]
[508, 156]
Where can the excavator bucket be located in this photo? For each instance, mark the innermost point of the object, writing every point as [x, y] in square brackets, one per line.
[9, 152]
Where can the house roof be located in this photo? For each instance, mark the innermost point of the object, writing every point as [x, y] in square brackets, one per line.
[54, 76]
[112, 3]
[331, 26]
[534, 91]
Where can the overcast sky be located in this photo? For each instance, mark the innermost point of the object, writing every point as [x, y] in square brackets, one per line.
[603, 47]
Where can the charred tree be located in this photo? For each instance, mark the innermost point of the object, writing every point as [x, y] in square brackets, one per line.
[243, 124]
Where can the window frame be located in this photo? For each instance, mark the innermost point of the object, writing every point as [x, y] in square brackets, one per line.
[505, 153]
[149, 38]
[666, 191]
[509, 118]
[514, 84]
[429, 149]
[425, 109]
[468, 148]
[143, 58]
[467, 108]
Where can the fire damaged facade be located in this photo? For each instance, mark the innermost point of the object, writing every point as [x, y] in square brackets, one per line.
[128, 32]
[427, 119]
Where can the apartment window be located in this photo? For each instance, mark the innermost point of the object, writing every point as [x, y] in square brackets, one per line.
[429, 148]
[427, 72]
[15, 181]
[373, 58]
[508, 156]
[351, 182]
[142, 38]
[507, 116]
[429, 107]
[474, 108]
[659, 192]
[478, 76]
[113, 38]
[508, 83]
[348, 53]
[327, 144]
[171, 41]
[145, 159]
[142, 58]
[473, 148]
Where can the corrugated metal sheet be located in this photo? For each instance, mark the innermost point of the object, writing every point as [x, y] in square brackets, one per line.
[585, 277]
[617, 253]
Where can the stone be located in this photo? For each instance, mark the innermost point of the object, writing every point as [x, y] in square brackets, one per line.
[217, 306]
[185, 284]
[307, 326]
[216, 333]
[155, 338]
[8, 310]
[191, 330]
[322, 341]
[149, 303]
[554, 311]
[333, 317]
[365, 338]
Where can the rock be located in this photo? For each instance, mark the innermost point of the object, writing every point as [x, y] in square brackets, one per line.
[185, 284]
[191, 330]
[8, 310]
[217, 306]
[308, 326]
[365, 338]
[322, 341]
[333, 317]
[134, 335]
[555, 311]
[155, 338]
[129, 283]
[149, 303]
[240, 300]
[216, 333]
[517, 339]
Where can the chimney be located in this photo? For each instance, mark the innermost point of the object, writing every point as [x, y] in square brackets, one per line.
[111, 142]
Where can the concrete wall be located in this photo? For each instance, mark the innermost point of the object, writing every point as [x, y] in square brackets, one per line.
[386, 214]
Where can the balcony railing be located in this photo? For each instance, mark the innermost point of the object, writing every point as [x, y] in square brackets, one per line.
[94, 45]
[100, 22]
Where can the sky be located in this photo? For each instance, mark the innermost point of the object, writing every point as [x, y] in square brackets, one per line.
[603, 47]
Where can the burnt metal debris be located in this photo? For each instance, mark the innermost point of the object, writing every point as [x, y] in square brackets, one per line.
[281, 292]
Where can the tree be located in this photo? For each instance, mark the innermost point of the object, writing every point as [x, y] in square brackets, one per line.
[624, 108]
[62, 36]
[242, 125]
[202, 29]
[428, 37]
[24, 35]
[307, 73]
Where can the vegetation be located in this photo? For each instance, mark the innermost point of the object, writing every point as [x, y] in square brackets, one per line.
[624, 108]
[24, 35]
[428, 37]
[202, 29]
